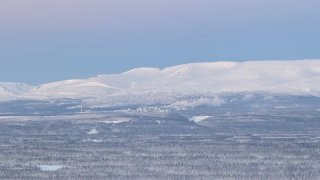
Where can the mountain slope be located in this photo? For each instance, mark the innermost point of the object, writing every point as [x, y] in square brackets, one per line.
[10, 90]
[162, 85]
[295, 77]
[212, 84]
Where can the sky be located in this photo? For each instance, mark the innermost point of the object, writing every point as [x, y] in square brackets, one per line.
[50, 40]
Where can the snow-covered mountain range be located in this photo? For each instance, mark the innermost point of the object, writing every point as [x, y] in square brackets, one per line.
[170, 85]
[10, 90]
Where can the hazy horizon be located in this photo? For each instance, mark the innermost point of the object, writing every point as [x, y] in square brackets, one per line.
[44, 41]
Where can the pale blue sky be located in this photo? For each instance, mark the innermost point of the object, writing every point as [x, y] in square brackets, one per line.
[46, 40]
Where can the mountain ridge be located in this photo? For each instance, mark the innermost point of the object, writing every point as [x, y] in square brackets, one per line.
[288, 77]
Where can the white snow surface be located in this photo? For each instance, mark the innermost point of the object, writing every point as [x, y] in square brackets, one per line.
[199, 118]
[300, 77]
[50, 167]
[93, 131]
[11, 90]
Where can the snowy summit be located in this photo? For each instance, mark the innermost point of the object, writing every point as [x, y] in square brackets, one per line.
[293, 77]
